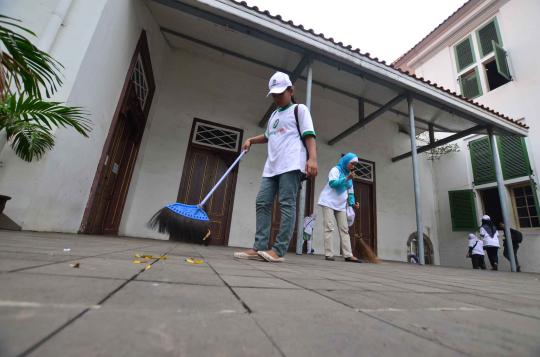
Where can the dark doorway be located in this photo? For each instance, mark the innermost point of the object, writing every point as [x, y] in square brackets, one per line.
[492, 204]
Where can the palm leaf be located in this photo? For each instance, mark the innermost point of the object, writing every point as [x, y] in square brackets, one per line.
[30, 140]
[46, 114]
[26, 66]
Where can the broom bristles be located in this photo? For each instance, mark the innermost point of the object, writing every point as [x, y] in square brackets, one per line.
[367, 253]
[179, 228]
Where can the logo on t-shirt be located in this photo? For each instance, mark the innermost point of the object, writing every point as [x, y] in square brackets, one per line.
[275, 123]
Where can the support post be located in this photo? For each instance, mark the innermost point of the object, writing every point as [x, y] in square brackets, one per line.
[416, 179]
[303, 187]
[502, 198]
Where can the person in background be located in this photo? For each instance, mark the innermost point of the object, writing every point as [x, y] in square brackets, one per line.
[517, 238]
[476, 252]
[490, 237]
[336, 194]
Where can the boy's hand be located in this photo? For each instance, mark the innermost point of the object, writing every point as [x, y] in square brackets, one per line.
[247, 145]
[311, 168]
[357, 205]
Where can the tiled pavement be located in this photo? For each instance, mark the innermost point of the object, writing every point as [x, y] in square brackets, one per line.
[307, 306]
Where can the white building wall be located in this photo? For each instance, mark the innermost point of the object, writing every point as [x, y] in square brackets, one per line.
[95, 44]
[517, 20]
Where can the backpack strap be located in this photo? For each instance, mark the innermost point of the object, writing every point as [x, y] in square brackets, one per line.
[298, 126]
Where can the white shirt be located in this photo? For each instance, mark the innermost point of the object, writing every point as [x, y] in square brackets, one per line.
[329, 196]
[286, 152]
[490, 241]
[478, 245]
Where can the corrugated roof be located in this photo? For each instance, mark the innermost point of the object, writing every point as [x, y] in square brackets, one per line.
[357, 51]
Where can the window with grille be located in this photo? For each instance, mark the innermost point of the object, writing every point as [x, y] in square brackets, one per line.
[526, 208]
[216, 137]
[363, 170]
[470, 84]
[481, 61]
[464, 54]
[486, 35]
[140, 82]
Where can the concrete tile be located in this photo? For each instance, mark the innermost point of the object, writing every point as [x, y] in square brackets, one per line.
[393, 300]
[94, 267]
[257, 282]
[22, 327]
[487, 333]
[140, 295]
[283, 300]
[160, 333]
[54, 289]
[177, 273]
[342, 333]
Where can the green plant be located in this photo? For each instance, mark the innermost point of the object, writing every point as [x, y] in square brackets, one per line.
[26, 73]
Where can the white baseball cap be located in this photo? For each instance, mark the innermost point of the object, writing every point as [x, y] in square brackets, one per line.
[278, 83]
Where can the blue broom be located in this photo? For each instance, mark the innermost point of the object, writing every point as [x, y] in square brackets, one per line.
[188, 223]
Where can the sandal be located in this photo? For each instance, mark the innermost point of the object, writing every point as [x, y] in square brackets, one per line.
[270, 258]
[244, 255]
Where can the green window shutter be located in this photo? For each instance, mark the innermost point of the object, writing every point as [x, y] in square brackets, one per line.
[470, 84]
[502, 63]
[464, 54]
[482, 161]
[462, 210]
[514, 158]
[486, 36]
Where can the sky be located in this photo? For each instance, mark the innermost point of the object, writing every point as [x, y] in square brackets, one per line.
[384, 28]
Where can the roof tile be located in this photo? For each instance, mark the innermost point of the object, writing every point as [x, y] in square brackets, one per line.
[368, 55]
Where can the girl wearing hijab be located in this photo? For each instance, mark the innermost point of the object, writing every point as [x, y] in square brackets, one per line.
[489, 235]
[336, 194]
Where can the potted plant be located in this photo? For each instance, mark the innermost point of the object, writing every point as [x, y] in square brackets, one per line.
[28, 77]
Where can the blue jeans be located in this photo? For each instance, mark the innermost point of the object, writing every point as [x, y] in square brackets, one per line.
[286, 186]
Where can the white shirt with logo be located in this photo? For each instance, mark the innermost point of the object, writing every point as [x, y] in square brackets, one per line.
[286, 152]
[330, 198]
[478, 245]
[490, 241]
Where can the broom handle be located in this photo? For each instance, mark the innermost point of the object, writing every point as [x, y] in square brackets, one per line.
[222, 178]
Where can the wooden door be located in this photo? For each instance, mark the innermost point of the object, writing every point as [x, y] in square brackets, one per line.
[118, 167]
[276, 216]
[113, 173]
[203, 167]
[365, 225]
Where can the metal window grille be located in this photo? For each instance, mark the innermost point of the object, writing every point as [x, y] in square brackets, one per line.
[216, 137]
[526, 207]
[363, 170]
[486, 36]
[139, 80]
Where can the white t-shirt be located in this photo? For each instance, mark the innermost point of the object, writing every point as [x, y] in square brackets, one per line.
[286, 152]
[478, 246]
[490, 241]
[329, 196]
